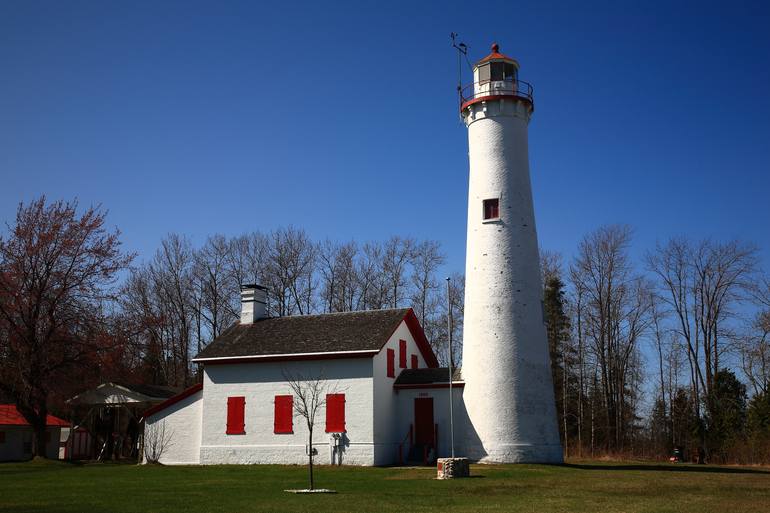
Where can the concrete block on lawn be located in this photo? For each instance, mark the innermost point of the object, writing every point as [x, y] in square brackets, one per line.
[451, 468]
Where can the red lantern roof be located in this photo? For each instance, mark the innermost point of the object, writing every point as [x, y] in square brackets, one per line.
[10, 416]
[496, 55]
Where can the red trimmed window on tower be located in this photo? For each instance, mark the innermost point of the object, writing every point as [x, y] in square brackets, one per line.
[284, 414]
[391, 357]
[335, 413]
[402, 354]
[491, 209]
[236, 407]
[415, 363]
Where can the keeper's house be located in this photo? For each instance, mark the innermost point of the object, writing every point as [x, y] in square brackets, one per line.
[386, 400]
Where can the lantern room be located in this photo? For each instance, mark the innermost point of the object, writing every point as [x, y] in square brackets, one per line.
[496, 67]
[495, 75]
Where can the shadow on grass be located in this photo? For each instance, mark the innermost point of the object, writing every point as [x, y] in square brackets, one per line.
[669, 468]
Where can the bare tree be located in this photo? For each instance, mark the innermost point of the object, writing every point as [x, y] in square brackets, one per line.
[702, 282]
[657, 318]
[617, 303]
[310, 395]
[551, 263]
[395, 260]
[291, 280]
[157, 439]
[339, 283]
[426, 259]
[57, 269]
[172, 274]
[213, 276]
[755, 353]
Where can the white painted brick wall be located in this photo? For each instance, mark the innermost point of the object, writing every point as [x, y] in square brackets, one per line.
[508, 394]
[183, 427]
[259, 383]
[388, 428]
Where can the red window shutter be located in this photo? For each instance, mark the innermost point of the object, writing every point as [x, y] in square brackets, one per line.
[391, 363]
[284, 414]
[415, 364]
[335, 413]
[235, 415]
[402, 354]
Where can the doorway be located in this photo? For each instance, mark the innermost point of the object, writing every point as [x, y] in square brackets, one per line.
[423, 421]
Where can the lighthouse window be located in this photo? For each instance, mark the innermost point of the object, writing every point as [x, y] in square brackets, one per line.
[491, 208]
[499, 71]
[484, 73]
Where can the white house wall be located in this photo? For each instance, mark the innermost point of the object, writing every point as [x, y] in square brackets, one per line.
[182, 424]
[388, 426]
[259, 383]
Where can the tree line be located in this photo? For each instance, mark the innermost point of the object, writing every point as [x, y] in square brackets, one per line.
[184, 297]
[701, 308]
[669, 352]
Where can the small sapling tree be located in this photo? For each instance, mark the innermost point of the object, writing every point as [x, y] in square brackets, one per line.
[310, 394]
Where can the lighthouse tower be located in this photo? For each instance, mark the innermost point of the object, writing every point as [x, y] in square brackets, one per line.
[508, 393]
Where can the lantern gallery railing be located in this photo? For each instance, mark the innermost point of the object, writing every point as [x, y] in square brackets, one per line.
[486, 88]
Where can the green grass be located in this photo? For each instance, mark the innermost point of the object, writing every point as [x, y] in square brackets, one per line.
[592, 487]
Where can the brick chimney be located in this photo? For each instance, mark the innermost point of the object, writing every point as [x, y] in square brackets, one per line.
[253, 303]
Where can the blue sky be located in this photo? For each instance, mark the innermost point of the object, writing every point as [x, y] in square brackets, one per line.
[341, 118]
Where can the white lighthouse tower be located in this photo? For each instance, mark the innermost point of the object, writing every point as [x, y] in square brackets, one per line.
[508, 387]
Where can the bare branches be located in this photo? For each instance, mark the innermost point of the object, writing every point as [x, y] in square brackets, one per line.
[616, 313]
[702, 282]
[310, 393]
[157, 440]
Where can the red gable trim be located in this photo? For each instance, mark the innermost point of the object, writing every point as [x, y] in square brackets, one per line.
[173, 400]
[10, 416]
[419, 337]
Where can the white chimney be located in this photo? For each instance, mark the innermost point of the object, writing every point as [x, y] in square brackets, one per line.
[253, 303]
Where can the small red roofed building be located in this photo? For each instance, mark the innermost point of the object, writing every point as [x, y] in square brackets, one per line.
[16, 435]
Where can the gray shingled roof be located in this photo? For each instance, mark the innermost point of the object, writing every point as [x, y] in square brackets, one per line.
[325, 333]
[427, 376]
[157, 391]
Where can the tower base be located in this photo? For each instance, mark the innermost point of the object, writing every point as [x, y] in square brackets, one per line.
[517, 453]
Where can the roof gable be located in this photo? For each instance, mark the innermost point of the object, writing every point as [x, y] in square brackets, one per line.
[173, 400]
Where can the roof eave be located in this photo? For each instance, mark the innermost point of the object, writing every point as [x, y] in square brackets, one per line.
[363, 353]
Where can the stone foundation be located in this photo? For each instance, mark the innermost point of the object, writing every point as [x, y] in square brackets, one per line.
[450, 468]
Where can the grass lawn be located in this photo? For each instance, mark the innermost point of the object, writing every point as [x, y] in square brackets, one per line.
[585, 486]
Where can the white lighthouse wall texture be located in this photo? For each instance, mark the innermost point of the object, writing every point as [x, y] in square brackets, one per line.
[509, 391]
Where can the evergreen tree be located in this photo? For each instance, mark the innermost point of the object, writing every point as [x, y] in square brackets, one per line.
[726, 420]
[558, 331]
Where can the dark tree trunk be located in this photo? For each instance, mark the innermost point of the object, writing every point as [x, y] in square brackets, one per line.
[310, 457]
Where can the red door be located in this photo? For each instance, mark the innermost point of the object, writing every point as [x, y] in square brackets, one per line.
[423, 420]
